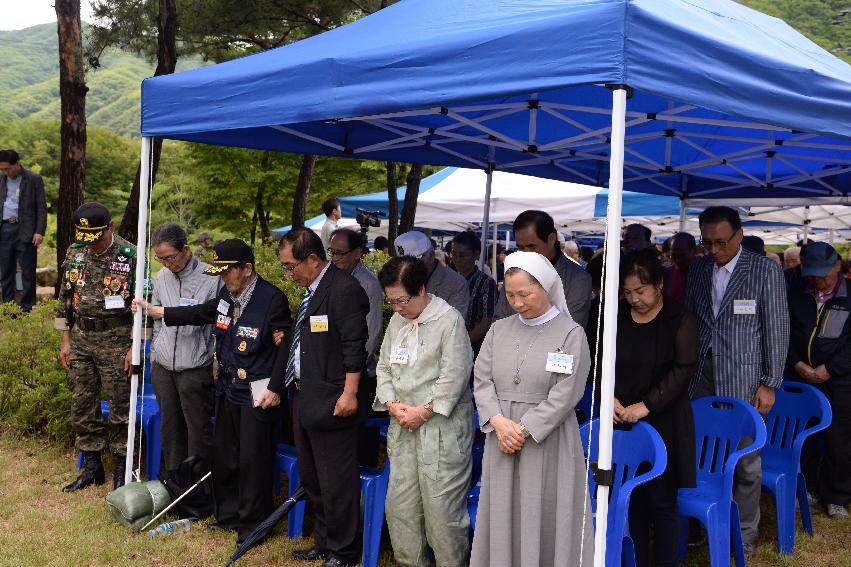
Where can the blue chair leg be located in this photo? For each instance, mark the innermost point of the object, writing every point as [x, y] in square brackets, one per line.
[735, 539]
[784, 498]
[295, 518]
[104, 410]
[628, 552]
[374, 495]
[153, 446]
[804, 504]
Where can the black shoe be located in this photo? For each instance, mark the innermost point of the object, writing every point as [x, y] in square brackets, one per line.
[337, 562]
[217, 527]
[118, 473]
[92, 472]
[312, 554]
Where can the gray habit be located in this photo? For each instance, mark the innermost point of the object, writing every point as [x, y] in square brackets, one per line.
[533, 506]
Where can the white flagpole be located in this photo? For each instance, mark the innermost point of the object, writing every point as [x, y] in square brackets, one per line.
[610, 317]
[141, 249]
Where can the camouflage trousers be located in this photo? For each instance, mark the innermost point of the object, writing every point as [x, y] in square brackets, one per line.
[97, 364]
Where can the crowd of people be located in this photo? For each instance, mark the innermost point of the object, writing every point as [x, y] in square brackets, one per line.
[699, 317]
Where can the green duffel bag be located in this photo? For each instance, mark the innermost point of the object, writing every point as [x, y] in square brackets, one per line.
[134, 504]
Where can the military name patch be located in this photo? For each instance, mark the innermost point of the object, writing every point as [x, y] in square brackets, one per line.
[222, 322]
[122, 267]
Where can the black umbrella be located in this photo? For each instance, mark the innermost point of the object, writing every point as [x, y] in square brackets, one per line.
[266, 526]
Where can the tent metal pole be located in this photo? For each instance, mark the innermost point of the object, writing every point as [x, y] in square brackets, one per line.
[493, 249]
[610, 316]
[682, 214]
[831, 236]
[806, 224]
[141, 249]
[483, 254]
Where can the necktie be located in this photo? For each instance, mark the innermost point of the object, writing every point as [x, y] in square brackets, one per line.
[299, 320]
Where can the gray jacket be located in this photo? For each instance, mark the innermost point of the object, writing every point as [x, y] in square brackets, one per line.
[182, 348]
[32, 205]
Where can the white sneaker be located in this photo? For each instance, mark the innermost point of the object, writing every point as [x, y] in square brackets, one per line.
[837, 512]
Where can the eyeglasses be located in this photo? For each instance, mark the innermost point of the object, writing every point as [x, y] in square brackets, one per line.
[291, 267]
[337, 253]
[404, 300]
[720, 243]
[168, 259]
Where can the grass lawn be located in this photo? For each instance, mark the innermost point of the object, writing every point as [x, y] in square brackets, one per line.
[41, 526]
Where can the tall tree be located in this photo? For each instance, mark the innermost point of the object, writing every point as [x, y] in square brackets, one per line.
[392, 205]
[72, 93]
[409, 209]
[302, 190]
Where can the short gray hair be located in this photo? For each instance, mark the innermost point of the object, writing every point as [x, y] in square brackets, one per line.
[171, 234]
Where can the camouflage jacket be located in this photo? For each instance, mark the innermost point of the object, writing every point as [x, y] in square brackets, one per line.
[98, 285]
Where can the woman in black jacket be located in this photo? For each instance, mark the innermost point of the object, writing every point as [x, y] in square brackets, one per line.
[656, 354]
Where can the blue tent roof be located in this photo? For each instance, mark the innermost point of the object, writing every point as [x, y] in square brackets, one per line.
[727, 101]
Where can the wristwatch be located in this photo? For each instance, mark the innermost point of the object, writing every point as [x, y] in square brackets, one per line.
[524, 431]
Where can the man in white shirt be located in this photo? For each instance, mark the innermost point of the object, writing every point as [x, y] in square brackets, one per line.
[331, 208]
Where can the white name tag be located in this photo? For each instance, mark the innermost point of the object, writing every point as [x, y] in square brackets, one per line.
[399, 356]
[559, 362]
[319, 323]
[744, 306]
[113, 302]
[187, 301]
[223, 307]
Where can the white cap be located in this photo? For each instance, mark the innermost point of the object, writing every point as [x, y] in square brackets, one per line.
[413, 243]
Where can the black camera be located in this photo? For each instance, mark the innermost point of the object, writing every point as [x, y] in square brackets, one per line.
[368, 219]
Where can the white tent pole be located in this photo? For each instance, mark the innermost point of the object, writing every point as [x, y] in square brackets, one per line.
[141, 248]
[610, 317]
[682, 214]
[831, 236]
[483, 254]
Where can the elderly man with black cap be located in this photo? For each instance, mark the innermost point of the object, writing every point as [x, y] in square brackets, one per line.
[246, 313]
[820, 354]
[95, 320]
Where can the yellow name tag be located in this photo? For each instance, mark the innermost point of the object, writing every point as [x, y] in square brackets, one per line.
[319, 323]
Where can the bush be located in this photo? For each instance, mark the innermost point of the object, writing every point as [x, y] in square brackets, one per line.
[34, 397]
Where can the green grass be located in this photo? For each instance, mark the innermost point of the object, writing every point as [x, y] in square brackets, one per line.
[41, 526]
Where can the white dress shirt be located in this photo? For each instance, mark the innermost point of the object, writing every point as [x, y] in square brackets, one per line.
[720, 278]
[312, 287]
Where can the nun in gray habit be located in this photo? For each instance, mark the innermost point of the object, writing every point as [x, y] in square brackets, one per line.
[529, 375]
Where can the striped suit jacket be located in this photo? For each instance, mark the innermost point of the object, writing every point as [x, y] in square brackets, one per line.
[747, 350]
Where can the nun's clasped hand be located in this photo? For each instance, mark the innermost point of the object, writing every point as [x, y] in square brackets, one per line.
[508, 433]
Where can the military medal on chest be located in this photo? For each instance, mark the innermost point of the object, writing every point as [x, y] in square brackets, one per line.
[241, 373]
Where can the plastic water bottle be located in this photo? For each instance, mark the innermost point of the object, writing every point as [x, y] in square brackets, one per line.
[177, 527]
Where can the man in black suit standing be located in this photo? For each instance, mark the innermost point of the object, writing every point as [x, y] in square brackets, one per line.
[24, 219]
[327, 359]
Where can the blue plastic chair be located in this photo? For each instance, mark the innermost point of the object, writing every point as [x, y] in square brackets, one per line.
[584, 408]
[800, 410]
[720, 426]
[634, 448]
[373, 483]
[473, 505]
[149, 420]
[286, 461]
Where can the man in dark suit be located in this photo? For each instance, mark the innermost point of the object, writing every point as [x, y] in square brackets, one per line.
[24, 219]
[739, 299]
[327, 359]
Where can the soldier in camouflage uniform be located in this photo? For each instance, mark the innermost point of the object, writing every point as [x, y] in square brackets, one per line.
[96, 323]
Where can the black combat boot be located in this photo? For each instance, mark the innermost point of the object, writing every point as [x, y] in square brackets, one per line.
[118, 473]
[92, 472]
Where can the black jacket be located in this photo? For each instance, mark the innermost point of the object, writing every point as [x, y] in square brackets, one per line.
[247, 343]
[327, 356]
[32, 205]
[821, 336]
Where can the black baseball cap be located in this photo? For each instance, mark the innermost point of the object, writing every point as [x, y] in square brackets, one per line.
[90, 221]
[228, 253]
[818, 259]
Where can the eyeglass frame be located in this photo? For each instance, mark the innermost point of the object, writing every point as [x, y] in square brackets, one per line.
[720, 243]
[291, 269]
[398, 300]
[334, 254]
[170, 258]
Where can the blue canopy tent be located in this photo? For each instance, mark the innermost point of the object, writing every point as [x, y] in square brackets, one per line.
[662, 96]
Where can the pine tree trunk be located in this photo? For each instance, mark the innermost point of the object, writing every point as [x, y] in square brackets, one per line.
[409, 209]
[166, 63]
[72, 93]
[302, 190]
[392, 205]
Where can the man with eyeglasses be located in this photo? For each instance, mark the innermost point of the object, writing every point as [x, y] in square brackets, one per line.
[182, 356]
[345, 251]
[324, 371]
[739, 299]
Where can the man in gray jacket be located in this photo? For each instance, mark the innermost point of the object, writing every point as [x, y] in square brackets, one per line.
[182, 357]
[24, 219]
